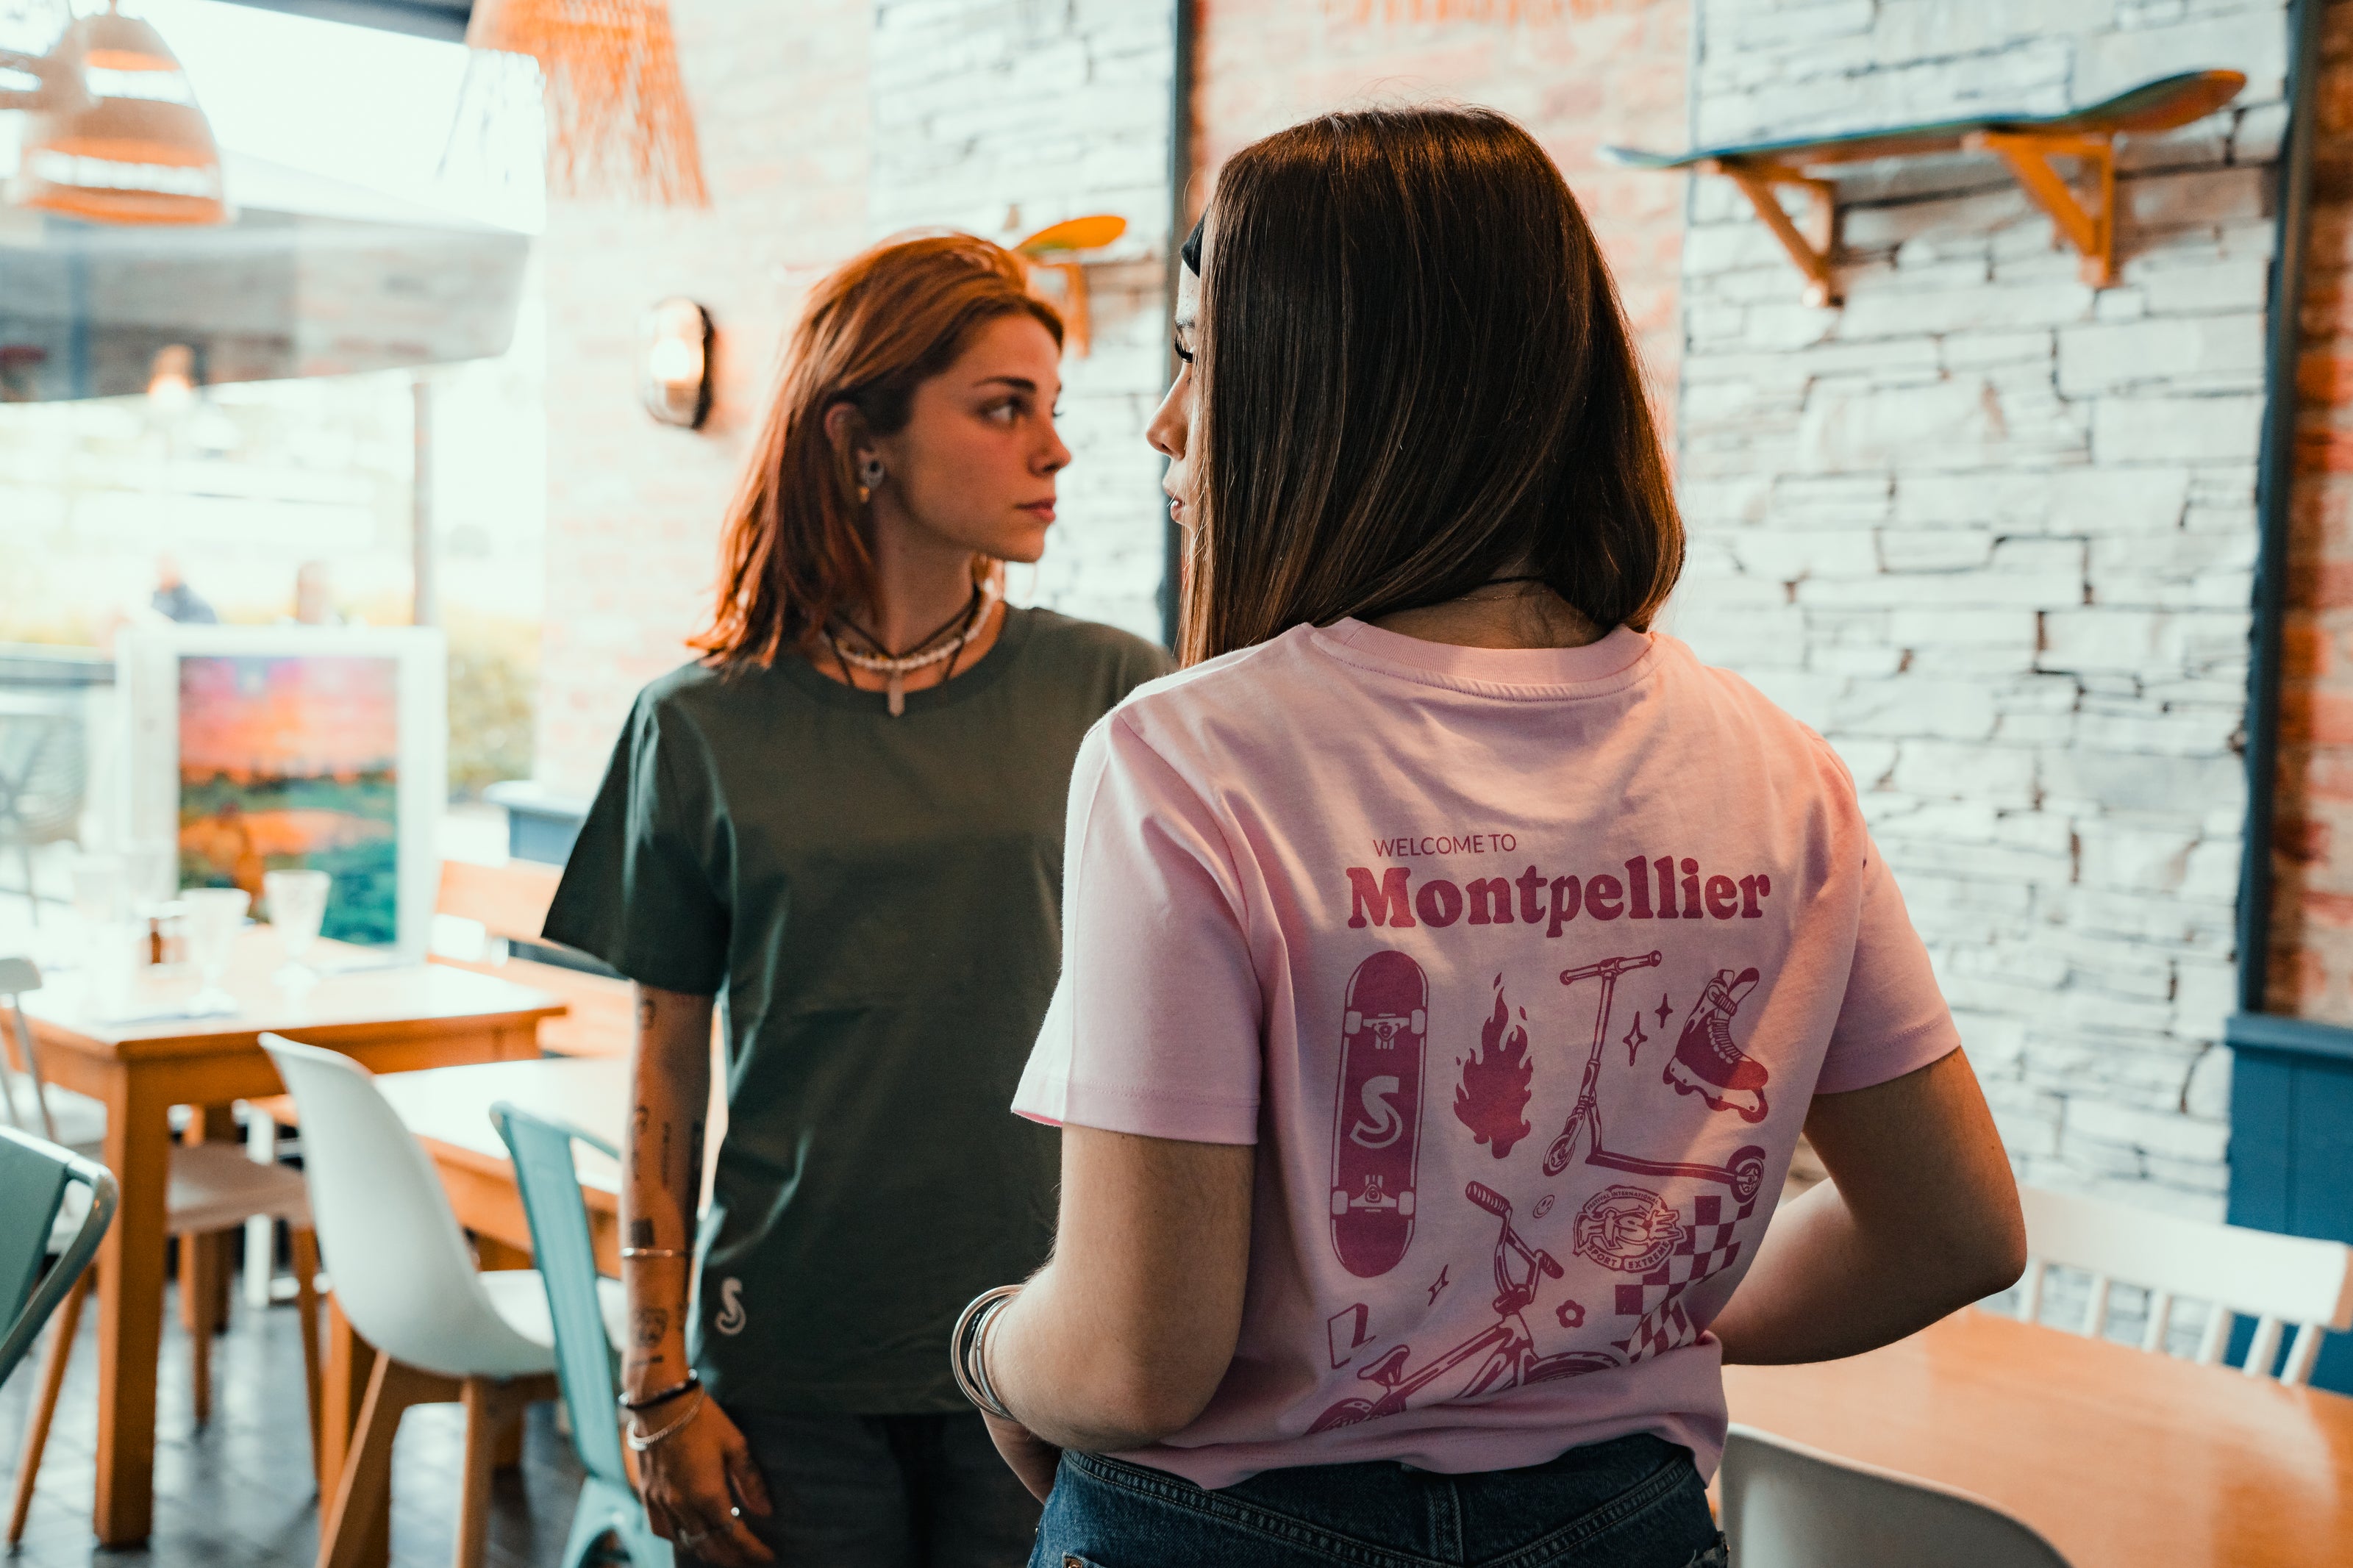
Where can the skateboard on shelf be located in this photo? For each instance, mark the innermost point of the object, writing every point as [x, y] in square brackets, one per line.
[1376, 1124]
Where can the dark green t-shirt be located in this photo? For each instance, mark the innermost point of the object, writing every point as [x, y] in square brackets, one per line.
[878, 901]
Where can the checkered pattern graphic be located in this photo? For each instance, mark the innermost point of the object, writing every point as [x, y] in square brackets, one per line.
[1708, 1247]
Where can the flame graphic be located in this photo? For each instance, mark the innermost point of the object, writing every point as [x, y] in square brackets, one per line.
[1495, 1088]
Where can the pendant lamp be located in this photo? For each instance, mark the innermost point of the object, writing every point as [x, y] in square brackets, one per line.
[618, 119]
[116, 135]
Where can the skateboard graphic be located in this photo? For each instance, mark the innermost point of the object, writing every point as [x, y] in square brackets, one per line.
[1743, 1172]
[1501, 1356]
[1377, 1125]
[1707, 1063]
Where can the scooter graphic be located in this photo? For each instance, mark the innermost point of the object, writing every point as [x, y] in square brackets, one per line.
[1508, 1346]
[1743, 1172]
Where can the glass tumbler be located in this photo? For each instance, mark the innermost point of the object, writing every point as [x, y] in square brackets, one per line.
[297, 901]
[215, 915]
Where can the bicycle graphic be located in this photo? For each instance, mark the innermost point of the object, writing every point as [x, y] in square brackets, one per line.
[1743, 1172]
[1508, 1346]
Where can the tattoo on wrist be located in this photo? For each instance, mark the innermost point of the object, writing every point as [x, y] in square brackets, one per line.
[645, 1011]
[641, 1233]
[649, 1326]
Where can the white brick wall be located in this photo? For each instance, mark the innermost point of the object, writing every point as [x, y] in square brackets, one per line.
[1991, 532]
[1001, 117]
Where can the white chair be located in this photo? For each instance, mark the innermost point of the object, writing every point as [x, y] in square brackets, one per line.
[1788, 1506]
[407, 1281]
[213, 1187]
[2276, 1280]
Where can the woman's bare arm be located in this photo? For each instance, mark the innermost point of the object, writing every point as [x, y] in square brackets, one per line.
[1123, 1338]
[692, 1478]
[1920, 1217]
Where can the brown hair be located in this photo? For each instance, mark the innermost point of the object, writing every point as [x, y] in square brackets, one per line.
[797, 547]
[1415, 375]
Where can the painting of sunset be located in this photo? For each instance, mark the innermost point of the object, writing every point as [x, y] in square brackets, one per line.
[293, 761]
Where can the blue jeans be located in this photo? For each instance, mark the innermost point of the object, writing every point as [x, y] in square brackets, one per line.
[1635, 1503]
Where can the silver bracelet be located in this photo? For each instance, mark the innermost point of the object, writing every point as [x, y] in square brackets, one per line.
[966, 1341]
[640, 1442]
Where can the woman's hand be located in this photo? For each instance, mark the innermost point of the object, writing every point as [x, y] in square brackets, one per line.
[694, 1481]
[1033, 1459]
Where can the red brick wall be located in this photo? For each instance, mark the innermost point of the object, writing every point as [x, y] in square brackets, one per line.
[780, 99]
[2312, 907]
[1589, 72]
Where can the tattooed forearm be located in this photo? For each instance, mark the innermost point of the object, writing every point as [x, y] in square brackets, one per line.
[647, 1327]
[645, 1010]
[690, 1180]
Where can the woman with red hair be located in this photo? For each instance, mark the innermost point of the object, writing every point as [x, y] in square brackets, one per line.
[846, 817]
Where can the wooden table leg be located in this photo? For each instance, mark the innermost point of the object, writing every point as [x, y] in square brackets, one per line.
[203, 1273]
[130, 1310]
[350, 1362]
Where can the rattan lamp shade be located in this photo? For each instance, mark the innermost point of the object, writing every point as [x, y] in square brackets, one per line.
[120, 138]
[618, 119]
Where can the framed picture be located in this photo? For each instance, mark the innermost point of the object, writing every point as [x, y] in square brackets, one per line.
[253, 748]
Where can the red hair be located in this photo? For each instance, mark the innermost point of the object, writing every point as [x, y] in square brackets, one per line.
[797, 547]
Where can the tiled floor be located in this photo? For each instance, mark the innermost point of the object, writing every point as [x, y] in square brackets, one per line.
[239, 1492]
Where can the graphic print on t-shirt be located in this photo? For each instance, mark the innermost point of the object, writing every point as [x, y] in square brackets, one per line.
[1708, 1246]
[1494, 1088]
[1498, 1357]
[1743, 1172]
[1707, 1061]
[1377, 1125]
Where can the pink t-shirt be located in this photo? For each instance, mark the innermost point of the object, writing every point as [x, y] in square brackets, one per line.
[1521, 966]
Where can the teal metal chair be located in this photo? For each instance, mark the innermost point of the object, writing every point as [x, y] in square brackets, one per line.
[35, 1176]
[584, 1354]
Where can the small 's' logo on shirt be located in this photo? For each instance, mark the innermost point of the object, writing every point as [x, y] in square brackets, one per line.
[1384, 1124]
[731, 1319]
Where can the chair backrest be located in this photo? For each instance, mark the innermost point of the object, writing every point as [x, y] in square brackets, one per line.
[510, 903]
[18, 975]
[561, 1248]
[391, 1243]
[43, 774]
[2276, 1280]
[1788, 1506]
[37, 1175]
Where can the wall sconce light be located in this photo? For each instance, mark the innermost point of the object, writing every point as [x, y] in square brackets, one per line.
[172, 380]
[675, 381]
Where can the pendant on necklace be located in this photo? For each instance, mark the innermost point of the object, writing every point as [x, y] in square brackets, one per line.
[895, 684]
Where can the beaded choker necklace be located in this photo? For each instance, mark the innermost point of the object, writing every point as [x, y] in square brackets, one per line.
[946, 642]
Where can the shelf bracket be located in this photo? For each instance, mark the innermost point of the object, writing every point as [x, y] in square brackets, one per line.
[1811, 252]
[2091, 233]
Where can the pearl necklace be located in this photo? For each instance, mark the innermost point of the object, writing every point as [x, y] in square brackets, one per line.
[895, 668]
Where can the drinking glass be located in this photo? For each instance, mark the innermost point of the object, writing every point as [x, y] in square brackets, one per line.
[298, 903]
[215, 915]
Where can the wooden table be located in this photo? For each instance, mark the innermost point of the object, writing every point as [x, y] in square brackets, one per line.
[390, 1018]
[2116, 1456]
[448, 1109]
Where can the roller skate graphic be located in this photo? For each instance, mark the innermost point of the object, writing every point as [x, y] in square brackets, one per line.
[1502, 1355]
[1376, 1122]
[1707, 1063]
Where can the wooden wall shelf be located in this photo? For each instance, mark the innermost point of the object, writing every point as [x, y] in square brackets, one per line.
[2086, 137]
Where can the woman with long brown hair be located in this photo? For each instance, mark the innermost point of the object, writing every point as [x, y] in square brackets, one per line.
[1452, 959]
[846, 818]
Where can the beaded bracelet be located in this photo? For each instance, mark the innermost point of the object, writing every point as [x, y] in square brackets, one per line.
[647, 1402]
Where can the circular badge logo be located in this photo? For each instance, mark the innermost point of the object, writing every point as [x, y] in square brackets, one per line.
[1628, 1229]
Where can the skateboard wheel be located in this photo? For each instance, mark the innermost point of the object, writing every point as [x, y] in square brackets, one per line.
[1405, 1204]
[1339, 1201]
[1353, 1023]
[1420, 1022]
